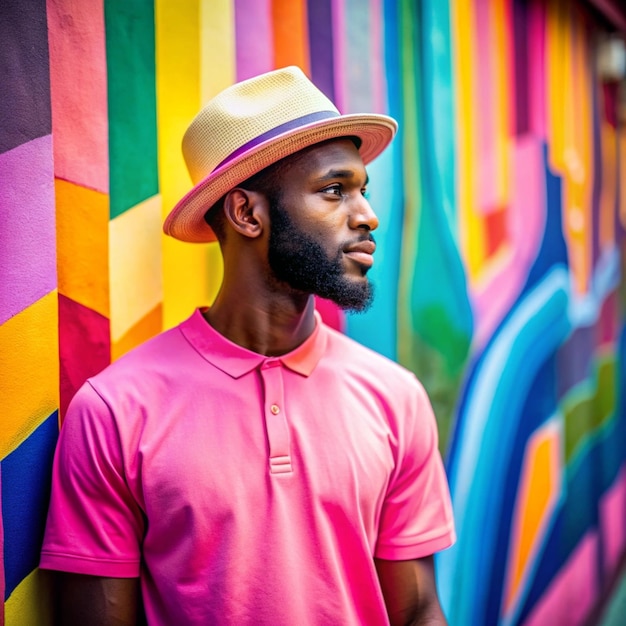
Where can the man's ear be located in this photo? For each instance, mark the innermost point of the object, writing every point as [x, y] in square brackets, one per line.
[246, 211]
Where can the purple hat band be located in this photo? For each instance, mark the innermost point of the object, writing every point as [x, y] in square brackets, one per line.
[279, 130]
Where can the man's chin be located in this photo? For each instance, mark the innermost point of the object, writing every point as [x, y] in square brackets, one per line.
[354, 297]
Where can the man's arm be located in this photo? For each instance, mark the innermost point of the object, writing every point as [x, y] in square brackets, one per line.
[97, 601]
[410, 592]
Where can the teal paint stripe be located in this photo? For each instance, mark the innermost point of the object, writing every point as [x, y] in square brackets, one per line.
[131, 74]
[358, 70]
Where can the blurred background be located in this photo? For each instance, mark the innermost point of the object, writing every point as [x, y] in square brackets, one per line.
[499, 271]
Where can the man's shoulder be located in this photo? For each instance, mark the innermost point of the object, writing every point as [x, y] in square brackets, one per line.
[158, 358]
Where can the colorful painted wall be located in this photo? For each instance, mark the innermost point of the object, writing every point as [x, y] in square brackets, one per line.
[500, 271]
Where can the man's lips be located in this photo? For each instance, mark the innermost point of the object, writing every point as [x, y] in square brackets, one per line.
[361, 252]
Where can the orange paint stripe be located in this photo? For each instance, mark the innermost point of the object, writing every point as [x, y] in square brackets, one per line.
[291, 37]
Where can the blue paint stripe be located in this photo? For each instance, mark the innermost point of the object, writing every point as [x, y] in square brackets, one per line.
[25, 493]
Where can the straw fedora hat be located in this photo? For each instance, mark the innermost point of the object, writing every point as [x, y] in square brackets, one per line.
[253, 124]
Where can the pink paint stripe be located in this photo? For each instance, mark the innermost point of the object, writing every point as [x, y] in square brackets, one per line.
[536, 68]
[526, 220]
[78, 88]
[574, 590]
[27, 226]
[338, 12]
[254, 38]
[379, 84]
[613, 522]
[486, 163]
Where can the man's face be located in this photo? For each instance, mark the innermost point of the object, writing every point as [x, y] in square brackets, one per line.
[320, 240]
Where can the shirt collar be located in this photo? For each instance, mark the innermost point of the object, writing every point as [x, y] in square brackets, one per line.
[236, 361]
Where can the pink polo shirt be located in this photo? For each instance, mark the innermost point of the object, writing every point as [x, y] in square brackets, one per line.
[246, 489]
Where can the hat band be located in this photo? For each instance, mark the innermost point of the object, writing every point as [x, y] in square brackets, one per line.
[279, 130]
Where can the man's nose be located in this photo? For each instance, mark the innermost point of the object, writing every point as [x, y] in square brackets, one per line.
[362, 215]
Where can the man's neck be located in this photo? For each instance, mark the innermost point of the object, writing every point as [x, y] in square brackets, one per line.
[269, 326]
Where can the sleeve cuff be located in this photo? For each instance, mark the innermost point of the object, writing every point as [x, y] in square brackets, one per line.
[417, 550]
[89, 565]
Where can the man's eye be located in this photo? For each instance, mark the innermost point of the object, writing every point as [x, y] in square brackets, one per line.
[333, 189]
[365, 193]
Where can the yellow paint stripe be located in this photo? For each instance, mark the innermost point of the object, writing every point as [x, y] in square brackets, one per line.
[135, 265]
[31, 601]
[217, 41]
[29, 362]
[82, 245]
[471, 232]
[147, 327]
[191, 272]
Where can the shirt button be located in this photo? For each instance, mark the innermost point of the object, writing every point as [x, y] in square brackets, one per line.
[275, 409]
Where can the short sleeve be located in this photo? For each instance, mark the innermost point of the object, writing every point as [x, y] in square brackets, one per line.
[94, 524]
[416, 518]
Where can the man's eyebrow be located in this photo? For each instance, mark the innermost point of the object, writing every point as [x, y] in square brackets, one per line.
[341, 174]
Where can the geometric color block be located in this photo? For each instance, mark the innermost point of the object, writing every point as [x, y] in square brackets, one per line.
[135, 265]
[129, 28]
[83, 245]
[31, 601]
[25, 91]
[84, 347]
[27, 236]
[25, 493]
[571, 595]
[147, 327]
[538, 495]
[79, 92]
[29, 362]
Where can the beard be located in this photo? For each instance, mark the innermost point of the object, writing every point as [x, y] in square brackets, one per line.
[299, 260]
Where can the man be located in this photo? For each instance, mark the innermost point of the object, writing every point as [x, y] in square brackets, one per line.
[253, 466]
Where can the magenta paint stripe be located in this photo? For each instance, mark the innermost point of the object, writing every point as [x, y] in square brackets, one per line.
[27, 226]
[486, 165]
[536, 68]
[339, 39]
[254, 38]
[283, 128]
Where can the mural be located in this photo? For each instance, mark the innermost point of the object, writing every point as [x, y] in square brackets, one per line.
[499, 273]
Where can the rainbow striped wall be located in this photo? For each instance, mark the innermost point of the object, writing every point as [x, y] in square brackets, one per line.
[499, 273]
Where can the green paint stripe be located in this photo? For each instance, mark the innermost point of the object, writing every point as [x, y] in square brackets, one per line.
[131, 73]
[589, 408]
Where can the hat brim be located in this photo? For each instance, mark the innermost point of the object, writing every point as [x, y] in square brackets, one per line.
[186, 220]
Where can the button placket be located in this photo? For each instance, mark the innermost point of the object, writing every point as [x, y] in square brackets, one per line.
[275, 418]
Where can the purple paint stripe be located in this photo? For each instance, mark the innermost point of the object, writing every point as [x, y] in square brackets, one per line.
[321, 46]
[254, 38]
[279, 130]
[338, 25]
[27, 226]
[520, 52]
